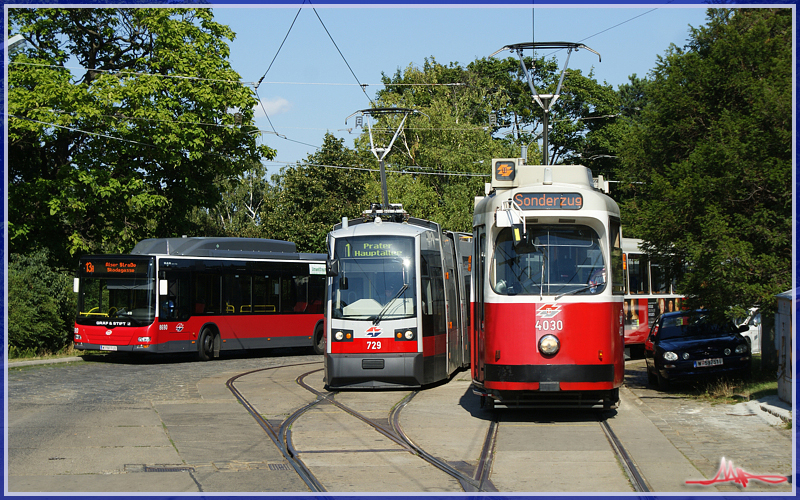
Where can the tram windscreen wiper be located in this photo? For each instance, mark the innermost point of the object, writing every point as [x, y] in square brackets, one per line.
[386, 306]
[572, 292]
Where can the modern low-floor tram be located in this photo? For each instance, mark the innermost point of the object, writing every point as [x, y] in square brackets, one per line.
[548, 289]
[398, 302]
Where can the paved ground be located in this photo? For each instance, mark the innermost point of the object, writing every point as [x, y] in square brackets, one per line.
[65, 434]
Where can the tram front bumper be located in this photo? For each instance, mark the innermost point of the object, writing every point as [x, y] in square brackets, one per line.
[368, 371]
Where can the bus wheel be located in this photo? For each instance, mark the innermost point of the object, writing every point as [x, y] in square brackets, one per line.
[319, 340]
[205, 346]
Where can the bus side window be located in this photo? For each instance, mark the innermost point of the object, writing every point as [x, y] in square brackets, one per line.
[176, 305]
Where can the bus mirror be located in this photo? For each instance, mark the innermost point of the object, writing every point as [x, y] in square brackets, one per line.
[332, 268]
[163, 287]
[76, 284]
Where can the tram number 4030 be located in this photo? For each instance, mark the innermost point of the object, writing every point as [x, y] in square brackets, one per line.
[373, 344]
[551, 325]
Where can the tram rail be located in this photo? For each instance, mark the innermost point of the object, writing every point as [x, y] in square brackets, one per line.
[478, 479]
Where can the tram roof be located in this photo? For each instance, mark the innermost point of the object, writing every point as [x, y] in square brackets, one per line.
[367, 227]
[221, 247]
[543, 179]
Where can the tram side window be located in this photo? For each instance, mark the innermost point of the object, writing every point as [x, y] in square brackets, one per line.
[661, 281]
[207, 298]
[638, 275]
[433, 293]
[617, 271]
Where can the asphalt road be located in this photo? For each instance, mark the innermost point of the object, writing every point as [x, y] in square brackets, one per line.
[101, 425]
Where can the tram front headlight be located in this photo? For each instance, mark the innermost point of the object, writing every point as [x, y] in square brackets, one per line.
[339, 335]
[409, 335]
[549, 345]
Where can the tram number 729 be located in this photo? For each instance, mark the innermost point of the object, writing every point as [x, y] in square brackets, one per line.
[552, 325]
[373, 344]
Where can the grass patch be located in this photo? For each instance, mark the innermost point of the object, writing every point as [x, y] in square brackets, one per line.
[15, 354]
[762, 382]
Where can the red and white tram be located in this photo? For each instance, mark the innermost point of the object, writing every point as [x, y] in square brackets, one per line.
[548, 289]
[398, 302]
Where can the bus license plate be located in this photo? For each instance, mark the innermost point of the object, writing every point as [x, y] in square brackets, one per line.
[708, 362]
[108, 348]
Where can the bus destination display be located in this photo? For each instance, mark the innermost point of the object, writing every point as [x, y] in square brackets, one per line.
[116, 267]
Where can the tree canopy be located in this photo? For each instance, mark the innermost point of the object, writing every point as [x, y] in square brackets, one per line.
[124, 147]
[707, 162]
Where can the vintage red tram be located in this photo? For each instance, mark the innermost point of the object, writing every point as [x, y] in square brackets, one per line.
[548, 289]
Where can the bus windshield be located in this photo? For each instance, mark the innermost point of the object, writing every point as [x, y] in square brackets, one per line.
[376, 278]
[549, 260]
[116, 291]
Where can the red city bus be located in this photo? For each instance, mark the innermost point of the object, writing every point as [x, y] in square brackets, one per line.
[202, 295]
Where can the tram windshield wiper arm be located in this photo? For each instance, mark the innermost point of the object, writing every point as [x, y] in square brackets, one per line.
[386, 306]
[572, 292]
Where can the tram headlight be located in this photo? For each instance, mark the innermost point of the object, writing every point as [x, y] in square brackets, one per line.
[339, 335]
[409, 335]
[670, 356]
[549, 345]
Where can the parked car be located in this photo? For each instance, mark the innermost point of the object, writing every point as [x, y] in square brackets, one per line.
[689, 345]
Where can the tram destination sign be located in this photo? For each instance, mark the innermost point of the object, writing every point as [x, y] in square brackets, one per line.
[374, 247]
[549, 201]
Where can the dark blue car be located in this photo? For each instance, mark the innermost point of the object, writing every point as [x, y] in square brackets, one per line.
[690, 344]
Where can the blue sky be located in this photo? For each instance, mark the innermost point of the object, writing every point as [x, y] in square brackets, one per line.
[310, 89]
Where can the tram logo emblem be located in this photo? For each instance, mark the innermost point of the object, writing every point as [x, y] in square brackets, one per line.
[548, 311]
[373, 331]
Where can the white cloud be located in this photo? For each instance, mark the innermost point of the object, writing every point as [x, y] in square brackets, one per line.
[275, 106]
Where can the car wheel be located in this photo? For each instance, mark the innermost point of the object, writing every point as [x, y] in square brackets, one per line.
[663, 383]
[651, 378]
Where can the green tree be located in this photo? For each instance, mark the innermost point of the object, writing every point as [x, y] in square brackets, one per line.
[307, 199]
[708, 162]
[130, 145]
[41, 305]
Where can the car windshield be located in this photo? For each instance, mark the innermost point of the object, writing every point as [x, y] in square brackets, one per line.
[693, 325]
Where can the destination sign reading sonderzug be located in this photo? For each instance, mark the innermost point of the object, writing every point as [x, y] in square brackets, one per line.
[549, 201]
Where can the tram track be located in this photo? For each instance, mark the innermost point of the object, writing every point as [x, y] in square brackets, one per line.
[476, 477]
[282, 437]
[638, 481]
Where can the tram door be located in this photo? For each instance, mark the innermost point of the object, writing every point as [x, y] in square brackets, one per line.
[452, 305]
[479, 280]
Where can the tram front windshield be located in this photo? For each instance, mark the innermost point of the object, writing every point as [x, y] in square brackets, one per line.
[549, 260]
[376, 278]
[116, 290]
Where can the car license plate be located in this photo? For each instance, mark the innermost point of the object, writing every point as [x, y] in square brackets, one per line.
[708, 362]
[108, 348]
